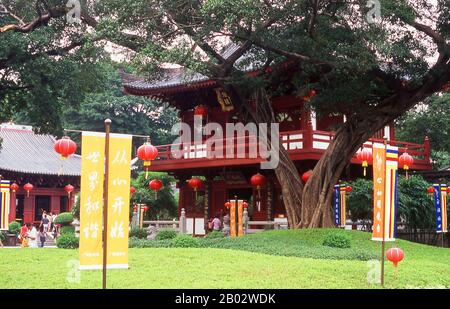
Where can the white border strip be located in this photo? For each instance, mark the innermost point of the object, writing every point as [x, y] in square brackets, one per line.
[99, 267]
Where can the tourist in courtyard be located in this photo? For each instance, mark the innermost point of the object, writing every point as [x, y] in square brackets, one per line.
[45, 222]
[216, 223]
[226, 225]
[23, 234]
[32, 236]
[42, 236]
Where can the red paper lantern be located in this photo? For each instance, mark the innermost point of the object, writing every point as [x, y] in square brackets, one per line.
[146, 208]
[155, 185]
[200, 110]
[65, 147]
[14, 187]
[69, 189]
[245, 205]
[227, 205]
[147, 153]
[258, 180]
[348, 189]
[430, 190]
[28, 187]
[448, 190]
[395, 255]
[306, 176]
[311, 93]
[405, 161]
[132, 190]
[195, 183]
[365, 156]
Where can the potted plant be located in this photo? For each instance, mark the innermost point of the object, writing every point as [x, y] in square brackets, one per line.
[13, 231]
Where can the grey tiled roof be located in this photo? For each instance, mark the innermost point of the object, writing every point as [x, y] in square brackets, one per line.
[174, 77]
[26, 152]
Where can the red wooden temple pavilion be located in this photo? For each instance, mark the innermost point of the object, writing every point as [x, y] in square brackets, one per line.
[304, 135]
[26, 157]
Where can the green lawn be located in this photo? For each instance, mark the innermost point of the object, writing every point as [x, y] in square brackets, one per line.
[423, 266]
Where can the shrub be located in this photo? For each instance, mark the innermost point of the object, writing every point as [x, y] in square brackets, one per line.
[64, 218]
[360, 201]
[134, 242]
[337, 240]
[14, 227]
[2, 236]
[67, 241]
[215, 234]
[185, 241]
[166, 234]
[67, 230]
[138, 232]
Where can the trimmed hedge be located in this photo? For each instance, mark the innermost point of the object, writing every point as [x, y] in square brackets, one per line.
[166, 234]
[215, 234]
[138, 232]
[64, 218]
[67, 241]
[67, 230]
[14, 227]
[337, 240]
[185, 241]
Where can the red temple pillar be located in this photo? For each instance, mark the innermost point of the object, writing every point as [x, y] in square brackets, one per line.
[12, 207]
[28, 209]
[55, 204]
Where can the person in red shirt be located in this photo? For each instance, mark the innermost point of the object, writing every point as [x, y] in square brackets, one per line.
[23, 232]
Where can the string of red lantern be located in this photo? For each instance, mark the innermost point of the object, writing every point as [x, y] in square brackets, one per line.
[147, 153]
[348, 189]
[28, 187]
[195, 183]
[306, 176]
[406, 161]
[364, 156]
[395, 255]
[14, 187]
[430, 191]
[200, 110]
[155, 185]
[69, 189]
[65, 147]
[258, 180]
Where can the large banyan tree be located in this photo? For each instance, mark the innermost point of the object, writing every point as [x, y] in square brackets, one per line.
[369, 60]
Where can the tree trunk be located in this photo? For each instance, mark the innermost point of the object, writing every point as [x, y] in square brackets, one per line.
[318, 191]
[286, 172]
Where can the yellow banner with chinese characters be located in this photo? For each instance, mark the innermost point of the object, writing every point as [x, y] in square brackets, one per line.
[119, 200]
[379, 184]
[91, 199]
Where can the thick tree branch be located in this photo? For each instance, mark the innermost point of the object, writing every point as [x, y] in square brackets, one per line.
[41, 20]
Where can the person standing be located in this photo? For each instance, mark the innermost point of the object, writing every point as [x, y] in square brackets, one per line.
[32, 236]
[216, 223]
[42, 236]
[44, 223]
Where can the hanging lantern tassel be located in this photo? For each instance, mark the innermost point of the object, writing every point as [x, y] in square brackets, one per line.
[146, 166]
[406, 168]
[365, 164]
[259, 192]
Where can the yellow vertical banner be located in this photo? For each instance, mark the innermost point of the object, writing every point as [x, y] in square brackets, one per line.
[240, 217]
[233, 219]
[91, 199]
[118, 200]
[379, 183]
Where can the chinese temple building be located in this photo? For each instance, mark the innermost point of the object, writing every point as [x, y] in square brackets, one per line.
[302, 133]
[26, 157]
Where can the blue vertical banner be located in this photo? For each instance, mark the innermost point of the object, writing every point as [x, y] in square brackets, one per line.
[440, 204]
[337, 205]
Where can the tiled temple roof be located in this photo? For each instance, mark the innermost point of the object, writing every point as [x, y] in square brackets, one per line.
[23, 151]
[178, 79]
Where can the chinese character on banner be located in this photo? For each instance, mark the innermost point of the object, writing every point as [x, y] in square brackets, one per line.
[91, 210]
[385, 172]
